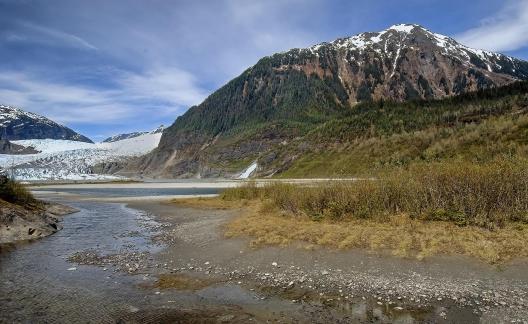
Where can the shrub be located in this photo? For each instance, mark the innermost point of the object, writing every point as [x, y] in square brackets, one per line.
[487, 195]
[15, 193]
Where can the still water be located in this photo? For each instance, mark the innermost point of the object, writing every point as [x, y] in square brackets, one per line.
[136, 192]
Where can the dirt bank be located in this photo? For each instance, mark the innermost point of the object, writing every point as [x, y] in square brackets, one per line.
[18, 223]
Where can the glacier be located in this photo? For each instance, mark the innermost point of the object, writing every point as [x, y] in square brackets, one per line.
[73, 160]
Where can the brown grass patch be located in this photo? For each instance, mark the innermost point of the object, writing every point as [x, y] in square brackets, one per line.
[209, 203]
[489, 195]
[401, 235]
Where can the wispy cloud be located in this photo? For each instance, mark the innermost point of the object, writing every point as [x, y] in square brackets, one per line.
[167, 84]
[135, 95]
[30, 32]
[506, 31]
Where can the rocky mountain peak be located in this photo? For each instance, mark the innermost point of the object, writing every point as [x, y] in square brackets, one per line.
[17, 124]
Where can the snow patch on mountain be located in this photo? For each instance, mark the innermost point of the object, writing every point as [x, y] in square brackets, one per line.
[120, 137]
[248, 171]
[397, 34]
[8, 113]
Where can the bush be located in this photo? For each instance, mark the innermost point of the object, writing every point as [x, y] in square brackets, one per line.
[487, 195]
[15, 193]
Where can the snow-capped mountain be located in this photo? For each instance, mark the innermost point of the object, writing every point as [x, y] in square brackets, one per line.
[120, 137]
[403, 62]
[74, 160]
[17, 124]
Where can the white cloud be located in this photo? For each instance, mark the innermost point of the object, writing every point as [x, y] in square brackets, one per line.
[167, 84]
[506, 31]
[31, 32]
[135, 95]
[140, 60]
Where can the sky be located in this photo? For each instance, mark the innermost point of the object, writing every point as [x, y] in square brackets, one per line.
[104, 67]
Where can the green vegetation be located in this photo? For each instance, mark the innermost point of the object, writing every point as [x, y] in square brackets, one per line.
[15, 193]
[451, 175]
[373, 137]
[297, 131]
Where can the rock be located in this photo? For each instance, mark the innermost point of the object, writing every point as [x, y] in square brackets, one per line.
[274, 264]
[225, 318]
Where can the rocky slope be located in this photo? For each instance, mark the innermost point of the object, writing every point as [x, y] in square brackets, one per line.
[16, 124]
[285, 95]
[6, 147]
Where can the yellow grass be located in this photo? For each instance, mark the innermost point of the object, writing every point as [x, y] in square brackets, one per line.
[478, 210]
[400, 235]
[209, 203]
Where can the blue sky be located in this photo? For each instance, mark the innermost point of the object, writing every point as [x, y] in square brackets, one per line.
[106, 67]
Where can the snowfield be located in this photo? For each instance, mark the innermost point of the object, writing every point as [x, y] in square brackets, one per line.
[72, 160]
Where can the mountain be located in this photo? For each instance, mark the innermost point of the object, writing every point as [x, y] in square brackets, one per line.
[286, 95]
[16, 124]
[120, 137]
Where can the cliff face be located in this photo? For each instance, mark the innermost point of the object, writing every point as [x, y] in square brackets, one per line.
[6, 147]
[284, 95]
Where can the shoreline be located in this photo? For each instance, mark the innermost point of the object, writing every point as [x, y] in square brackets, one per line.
[306, 283]
[21, 224]
[457, 285]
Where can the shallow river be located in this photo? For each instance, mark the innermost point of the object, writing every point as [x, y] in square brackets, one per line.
[36, 284]
[135, 192]
[39, 284]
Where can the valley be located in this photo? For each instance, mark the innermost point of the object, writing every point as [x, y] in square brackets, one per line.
[375, 178]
